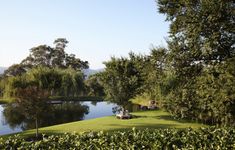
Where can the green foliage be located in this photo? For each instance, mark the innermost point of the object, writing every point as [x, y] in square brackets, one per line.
[201, 59]
[154, 72]
[15, 69]
[60, 82]
[139, 77]
[200, 30]
[204, 138]
[72, 83]
[46, 56]
[32, 89]
[199, 91]
[44, 77]
[94, 85]
[216, 94]
[121, 79]
[30, 102]
[142, 99]
[2, 86]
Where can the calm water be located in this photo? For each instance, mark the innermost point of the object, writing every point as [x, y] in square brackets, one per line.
[11, 121]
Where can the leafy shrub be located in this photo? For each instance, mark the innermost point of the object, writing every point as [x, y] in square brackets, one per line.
[204, 138]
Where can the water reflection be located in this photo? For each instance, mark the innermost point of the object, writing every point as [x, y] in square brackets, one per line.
[59, 113]
[11, 120]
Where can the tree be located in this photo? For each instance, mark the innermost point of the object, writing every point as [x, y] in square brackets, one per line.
[58, 53]
[216, 94]
[72, 82]
[94, 85]
[154, 70]
[120, 79]
[201, 42]
[32, 103]
[15, 70]
[202, 30]
[75, 63]
[50, 57]
[2, 85]
[31, 92]
[39, 56]
[60, 82]
[201, 33]
[64, 60]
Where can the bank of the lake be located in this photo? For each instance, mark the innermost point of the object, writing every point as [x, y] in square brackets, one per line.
[143, 119]
[59, 98]
[5, 101]
[78, 98]
[61, 112]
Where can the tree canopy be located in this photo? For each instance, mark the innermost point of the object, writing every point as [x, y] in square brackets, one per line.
[52, 57]
[201, 49]
[121, 79]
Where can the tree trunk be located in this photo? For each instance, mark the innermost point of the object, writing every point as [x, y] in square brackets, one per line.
[36, 122]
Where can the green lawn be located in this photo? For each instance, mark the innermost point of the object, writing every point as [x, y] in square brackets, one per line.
[4, 101]
[144, 119]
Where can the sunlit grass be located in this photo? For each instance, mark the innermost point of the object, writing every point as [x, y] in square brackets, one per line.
[4, 100]
[144, 119]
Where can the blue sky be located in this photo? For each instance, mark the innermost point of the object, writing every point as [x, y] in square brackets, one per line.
[95, 29]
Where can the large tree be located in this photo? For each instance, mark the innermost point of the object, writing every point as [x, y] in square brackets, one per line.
[204, 29]
[47, 56]
[94, 85]
[30, 98]
[121, 79]
[32, 103]
[14, 70]
[201, 42]
[60, 82]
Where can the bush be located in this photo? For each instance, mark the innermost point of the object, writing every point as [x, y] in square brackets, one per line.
[204, 138]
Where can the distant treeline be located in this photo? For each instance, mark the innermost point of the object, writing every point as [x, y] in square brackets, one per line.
[51, 69]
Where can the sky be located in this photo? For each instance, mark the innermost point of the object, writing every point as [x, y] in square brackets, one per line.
[95, 29]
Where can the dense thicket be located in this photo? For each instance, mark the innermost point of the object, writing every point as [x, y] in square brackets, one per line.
[205, 138]
[202, 54]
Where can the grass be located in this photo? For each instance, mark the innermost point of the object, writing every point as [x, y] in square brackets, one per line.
[141, 100]
[144, 119]
[5, 101]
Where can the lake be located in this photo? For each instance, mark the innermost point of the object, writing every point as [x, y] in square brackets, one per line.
[11, 121]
